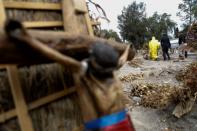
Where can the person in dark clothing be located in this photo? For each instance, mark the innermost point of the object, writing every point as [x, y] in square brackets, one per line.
[165, 44]
[182, 40]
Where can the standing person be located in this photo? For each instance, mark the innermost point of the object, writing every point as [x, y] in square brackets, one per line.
[165, 44]
[182, 44]
[153, 48]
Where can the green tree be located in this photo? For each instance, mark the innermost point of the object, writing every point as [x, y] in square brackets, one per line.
[195, 11]
[158, 24]
[135, 27]
[131, 23]
[188, 11]
[110, 34]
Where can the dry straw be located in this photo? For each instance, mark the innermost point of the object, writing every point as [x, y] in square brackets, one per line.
[37, 82]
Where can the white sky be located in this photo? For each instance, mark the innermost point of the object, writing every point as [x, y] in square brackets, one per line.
[113, 8]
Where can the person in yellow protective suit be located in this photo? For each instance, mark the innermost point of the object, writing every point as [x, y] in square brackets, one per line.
[153, 48]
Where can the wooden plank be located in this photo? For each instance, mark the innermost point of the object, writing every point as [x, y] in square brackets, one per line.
[3, 67]
[31, 5]
[2, 14]
[7, 115]
[51, 98]
[80, 6]
[43, 24]
[38, 103]
[69, 17]
[89, 25]
[21, 107]
[44, 50]
[88, 21]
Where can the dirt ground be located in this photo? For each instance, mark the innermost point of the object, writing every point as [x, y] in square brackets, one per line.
[157, 72]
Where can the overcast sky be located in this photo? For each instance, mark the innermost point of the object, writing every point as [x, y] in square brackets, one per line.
[113, 8]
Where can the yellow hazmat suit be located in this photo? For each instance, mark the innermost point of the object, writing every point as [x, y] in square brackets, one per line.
[153, 48]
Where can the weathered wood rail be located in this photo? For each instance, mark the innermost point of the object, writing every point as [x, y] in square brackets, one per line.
[76, 46]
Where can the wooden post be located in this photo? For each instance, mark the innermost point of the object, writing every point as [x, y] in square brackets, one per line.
[20, 104]
[80, 5]
[69, 17]
[88, 22]
[2, 14]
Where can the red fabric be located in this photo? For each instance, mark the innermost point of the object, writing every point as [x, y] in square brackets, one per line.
[125, 125]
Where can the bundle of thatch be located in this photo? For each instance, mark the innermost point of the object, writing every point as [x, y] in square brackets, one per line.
[163, 95]
[46, 15]
[26, 15]
[187, 96]
[189, 77]
[131, 77]
[37, 82]
[136, 62]
[155, 95]
[34, 15]
[192, 36]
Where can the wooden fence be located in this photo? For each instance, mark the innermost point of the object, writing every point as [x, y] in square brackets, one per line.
[70, 24]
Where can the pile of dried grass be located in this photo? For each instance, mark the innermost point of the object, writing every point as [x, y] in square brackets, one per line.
[45, 15]
[131, 77]
[136, 62]
[37, 82]
[155, 95]
[42, 79]
[163, 95]
[61, 115]
[189, 77]
[34, 15]
[188, 94]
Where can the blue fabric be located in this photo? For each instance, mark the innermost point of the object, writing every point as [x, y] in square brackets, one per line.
[106, 120]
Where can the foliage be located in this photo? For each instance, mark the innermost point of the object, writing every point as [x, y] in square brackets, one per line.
[131, 23]
[110, 34]
[188, 11]
[135, 27]
[158, 24]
